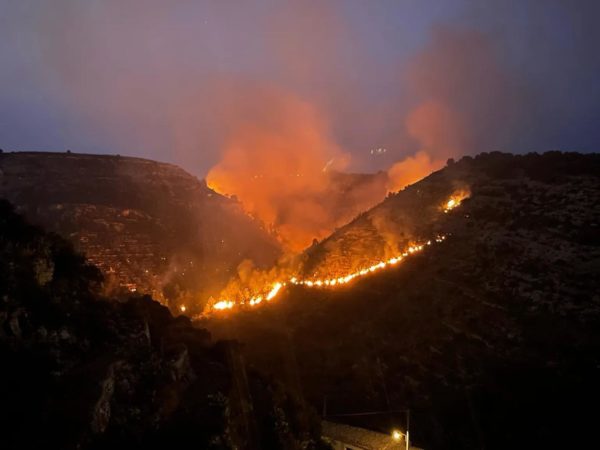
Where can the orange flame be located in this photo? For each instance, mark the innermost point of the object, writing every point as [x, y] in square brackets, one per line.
[328, 282]
[455, 200]
[275, 288]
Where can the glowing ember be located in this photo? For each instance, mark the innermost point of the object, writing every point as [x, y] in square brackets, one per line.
[255, 300]
[223, 304]
[274, 291]
[455, 200]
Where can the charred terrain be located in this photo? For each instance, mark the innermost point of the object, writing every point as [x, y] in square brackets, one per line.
[490, 338]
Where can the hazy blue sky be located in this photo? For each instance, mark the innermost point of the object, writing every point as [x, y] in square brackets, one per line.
[174, 80]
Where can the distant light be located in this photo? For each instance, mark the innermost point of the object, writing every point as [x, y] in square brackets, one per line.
[378, 151]
[396, 435]
[182, 308]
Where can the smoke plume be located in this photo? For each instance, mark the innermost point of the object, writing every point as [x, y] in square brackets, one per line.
[465, 101]
[440, 135]
[276, 161]
[267, 95]
[279, 144]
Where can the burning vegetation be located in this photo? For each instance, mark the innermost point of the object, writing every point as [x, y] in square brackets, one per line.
[254, 287]
[455, 200]
[277, 165]
[269, 293]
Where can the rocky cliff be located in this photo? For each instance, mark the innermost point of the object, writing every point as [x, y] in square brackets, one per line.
[150, 226]
[85, 371]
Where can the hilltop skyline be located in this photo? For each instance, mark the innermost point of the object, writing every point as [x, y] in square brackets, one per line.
[374, 83]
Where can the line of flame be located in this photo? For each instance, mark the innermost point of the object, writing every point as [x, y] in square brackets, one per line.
[324, 283]
[276, 288]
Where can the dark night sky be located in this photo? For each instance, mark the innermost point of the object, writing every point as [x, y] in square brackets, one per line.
[174, 80]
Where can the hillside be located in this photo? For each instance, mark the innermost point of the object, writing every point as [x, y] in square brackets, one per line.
[83, 371]
[416, 213]
[150, 226]
[490, 338]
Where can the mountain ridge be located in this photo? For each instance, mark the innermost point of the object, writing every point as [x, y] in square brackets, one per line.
[485, 337]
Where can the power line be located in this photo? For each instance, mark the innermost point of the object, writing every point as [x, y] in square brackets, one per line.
[369, 413]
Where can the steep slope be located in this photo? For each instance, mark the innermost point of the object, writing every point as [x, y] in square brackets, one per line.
[83, 371]
[154, 227]
[416, 213]
[490, 338]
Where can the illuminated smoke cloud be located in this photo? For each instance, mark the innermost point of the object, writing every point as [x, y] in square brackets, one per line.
[284, 108]
[465, 101]
[276, 162]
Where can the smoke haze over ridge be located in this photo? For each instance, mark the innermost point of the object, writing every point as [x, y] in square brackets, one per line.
[286, 88]
[137, 77]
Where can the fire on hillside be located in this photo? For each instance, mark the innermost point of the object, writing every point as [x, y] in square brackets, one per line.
[271, 290]
[455, 200]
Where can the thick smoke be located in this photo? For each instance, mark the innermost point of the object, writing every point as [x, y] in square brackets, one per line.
[277, 161]
[277, 91]
[466, 101]
[439, 134]
[275, 156]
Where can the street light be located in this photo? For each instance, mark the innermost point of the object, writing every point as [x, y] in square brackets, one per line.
[397, 434]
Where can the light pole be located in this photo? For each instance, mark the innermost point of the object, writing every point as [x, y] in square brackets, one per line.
[407, 428]
[397, 434]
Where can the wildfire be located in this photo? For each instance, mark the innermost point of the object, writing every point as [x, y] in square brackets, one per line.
[367, 270]
[255, 300]
[274, 289]
[223, 304]
[455, 200]
[328, 282]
